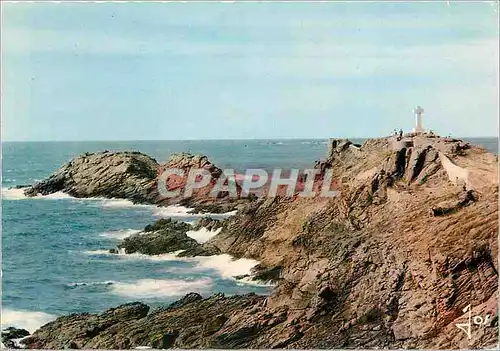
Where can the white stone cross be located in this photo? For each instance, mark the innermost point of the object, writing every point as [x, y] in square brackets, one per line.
[418, 120]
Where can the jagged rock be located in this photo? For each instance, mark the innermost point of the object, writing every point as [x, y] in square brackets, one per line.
[266, 274]
[208, 223]
[10, 334]
[163, 236]
[398, 163]
[336, 146]
[135, 176]
[77, 330]
[205, 249]
[125, 175]
[449, 207]
[201, 200]
[189, 298]
[191, 322]
[417, 160]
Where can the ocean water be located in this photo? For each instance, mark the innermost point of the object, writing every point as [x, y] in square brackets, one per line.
[54, 248]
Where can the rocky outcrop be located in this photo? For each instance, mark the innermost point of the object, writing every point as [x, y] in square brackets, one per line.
[11, 334]
[201, 200]
[208, 223]
[180, 325]
[369, 268]
[163, 236]
[135, 176]
[75, 330]
[168, 236]
[125, 175]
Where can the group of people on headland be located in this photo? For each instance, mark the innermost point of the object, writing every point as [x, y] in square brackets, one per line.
[397, 134]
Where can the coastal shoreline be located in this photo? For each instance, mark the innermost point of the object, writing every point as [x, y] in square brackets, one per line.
[323, 253]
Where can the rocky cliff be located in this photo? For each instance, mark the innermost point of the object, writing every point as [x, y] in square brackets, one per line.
[392, 262]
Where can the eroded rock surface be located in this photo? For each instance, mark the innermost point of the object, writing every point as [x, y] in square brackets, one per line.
[125, 175]
[135, 176]
[370, 268]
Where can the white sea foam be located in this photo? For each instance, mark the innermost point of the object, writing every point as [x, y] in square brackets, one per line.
[118, 203]
[150, 288]
[120, 234]
[55, 196]
[225, 265]
[227, 214]
[172, 256]
[28, 320]
[203, 234]
[13, 194]
[97, 252]
[18, 194]
[74, 285]
[249, 281]
[174, 211]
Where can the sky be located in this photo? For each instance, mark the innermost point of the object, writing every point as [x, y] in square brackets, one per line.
[170, 71]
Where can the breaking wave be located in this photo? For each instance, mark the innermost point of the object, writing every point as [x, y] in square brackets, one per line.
[28, 320]
[223, 265]
[151, 288]
[97, 252]
[120, 234]
[18, 194]
[175, 211]
[202, 235]
[117, 203]
[78, 284]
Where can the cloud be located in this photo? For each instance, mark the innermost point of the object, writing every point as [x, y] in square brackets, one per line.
[249, 66]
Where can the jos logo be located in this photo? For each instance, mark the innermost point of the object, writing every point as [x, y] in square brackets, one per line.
[477, 320]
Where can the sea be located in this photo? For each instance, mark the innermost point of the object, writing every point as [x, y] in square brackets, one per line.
[55, 258]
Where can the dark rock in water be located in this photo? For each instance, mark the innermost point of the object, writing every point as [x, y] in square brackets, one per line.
[167, 224]
[113, 251]
[205, 249]
[10, 334]
[22, 186]
[124, 175]
[134, 176]
[14, 333]
[163, 236]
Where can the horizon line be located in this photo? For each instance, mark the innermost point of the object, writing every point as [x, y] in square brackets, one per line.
[226, 139]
